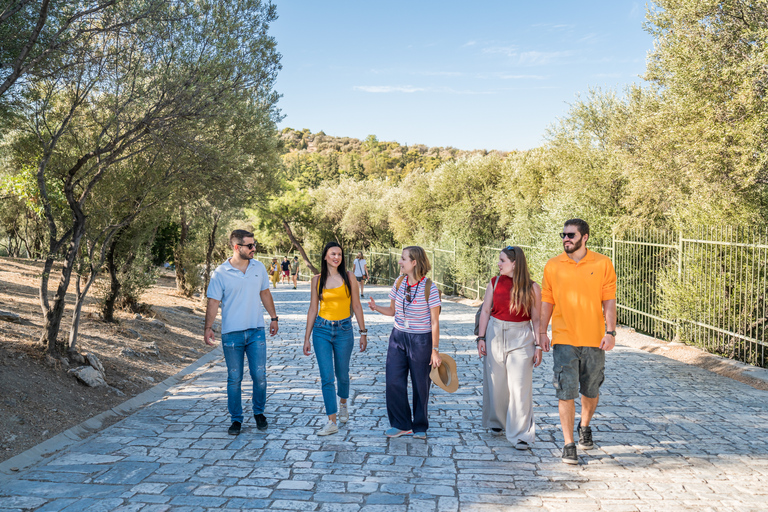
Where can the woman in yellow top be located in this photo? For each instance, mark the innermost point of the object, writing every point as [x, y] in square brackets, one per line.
[274, 273]
[335, 293]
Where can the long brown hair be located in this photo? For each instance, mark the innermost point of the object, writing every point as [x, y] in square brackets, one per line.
[521, 297]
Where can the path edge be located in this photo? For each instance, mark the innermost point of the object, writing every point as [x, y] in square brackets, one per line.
[15, 465]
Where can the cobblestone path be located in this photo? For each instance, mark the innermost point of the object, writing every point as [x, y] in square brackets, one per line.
[668, 437]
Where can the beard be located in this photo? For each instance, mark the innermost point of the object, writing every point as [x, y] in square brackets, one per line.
[574, 247]
[245, 254]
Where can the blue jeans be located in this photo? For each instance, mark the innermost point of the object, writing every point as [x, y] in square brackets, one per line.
[333, 341]
[236, 345]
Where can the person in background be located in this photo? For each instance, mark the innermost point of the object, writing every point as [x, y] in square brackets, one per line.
[413, 344]
[241, 286]
[509, 326]
[579, 296]
[295, 270]
[329, 321]
[274, 272]
[285, 266]
[360, 268]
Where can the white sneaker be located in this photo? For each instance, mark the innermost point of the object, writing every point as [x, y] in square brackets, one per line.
[328, 429]
[343, 413]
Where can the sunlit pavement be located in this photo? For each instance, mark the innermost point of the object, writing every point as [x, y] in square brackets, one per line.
[668, 436]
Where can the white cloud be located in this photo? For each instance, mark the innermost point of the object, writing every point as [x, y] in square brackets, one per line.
[509, 51]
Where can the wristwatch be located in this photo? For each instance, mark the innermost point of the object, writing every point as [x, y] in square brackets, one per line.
[275, 319]
[612, 333]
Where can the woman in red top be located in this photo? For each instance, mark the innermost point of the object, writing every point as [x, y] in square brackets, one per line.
[509, 345]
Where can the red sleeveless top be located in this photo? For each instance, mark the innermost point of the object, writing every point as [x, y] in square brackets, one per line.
[500, 309]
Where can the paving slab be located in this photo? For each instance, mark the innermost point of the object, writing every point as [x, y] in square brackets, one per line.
[668, 436]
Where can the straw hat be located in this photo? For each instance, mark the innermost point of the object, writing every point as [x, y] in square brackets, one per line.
[445, 375]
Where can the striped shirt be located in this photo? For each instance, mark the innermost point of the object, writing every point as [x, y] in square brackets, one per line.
[416, 312]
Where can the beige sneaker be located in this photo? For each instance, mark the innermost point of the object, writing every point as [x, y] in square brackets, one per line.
[343, 413]
[328, 429]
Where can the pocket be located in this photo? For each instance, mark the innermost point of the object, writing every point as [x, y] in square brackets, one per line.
[421, 348]
[557, 378]
[345, 326]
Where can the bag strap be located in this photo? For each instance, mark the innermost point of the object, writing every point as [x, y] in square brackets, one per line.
[427, 290]
[498, 278]
[399, 282]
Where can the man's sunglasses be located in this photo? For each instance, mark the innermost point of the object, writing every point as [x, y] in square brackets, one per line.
[249, 246]
[570, 236]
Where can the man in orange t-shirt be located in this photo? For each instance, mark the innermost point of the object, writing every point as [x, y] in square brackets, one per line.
[578, 294]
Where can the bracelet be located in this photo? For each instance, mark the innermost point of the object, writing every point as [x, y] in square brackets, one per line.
[363, 331]
[435, 349]
[538, 347]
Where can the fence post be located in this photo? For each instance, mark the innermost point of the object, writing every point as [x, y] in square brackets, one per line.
[455, 288]
[678, 329]
[389, 265]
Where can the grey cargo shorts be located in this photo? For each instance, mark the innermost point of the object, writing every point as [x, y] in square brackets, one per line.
[577, 370]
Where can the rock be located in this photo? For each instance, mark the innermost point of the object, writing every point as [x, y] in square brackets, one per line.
[50, 360]
[128, 352]
[152, 349]
[148, 378]
[138, 316]
[94, 362]
[77, 358]
[89, 376]
[64, 361]
[7, 316]
[116, 391]
[131, 333]
[157, 323]
[194, 350]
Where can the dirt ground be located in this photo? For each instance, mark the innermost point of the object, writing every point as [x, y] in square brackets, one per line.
[39, 400]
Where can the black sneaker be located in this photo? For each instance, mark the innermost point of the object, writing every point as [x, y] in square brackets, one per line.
[261, 421]
[234, 430]
[569, 454]
[585, 437]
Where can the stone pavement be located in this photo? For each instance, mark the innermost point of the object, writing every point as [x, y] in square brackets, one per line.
[668, 437]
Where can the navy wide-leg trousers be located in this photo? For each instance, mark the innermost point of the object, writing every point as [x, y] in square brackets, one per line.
[408, 353]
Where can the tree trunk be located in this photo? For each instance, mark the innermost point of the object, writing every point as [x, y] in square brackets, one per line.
[209, 257]
[54, 313]
[108, 309]
[299, 248]
[179, 257]
[79, 301]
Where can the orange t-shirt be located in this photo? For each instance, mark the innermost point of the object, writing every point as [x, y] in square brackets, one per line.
[577, 292]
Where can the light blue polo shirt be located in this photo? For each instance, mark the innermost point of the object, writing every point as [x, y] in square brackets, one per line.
[238, 292]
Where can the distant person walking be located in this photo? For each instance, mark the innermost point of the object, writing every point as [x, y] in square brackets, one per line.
[285, 266]
[413, 344]
[329, 321]
[360, 268]
[508, 340]
[579, 296]
[274, 272]
[240, 285]
[295, 270]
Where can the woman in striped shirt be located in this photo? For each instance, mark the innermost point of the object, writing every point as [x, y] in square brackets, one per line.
[413, 344]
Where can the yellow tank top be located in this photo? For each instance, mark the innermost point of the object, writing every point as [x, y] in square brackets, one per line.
[335, 304]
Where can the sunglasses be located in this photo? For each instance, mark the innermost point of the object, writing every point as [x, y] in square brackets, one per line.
[249, 246]
[408, 293]
[570, 236]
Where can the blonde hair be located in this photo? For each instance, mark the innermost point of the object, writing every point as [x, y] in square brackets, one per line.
[521, 297]
[419, 255]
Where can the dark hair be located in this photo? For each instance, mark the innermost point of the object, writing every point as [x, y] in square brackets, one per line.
[324, 270]
[581, 225]
[237, 237]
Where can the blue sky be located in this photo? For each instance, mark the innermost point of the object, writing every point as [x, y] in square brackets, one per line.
[472, 75]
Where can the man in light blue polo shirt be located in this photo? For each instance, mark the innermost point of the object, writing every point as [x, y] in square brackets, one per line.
[241, 286]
